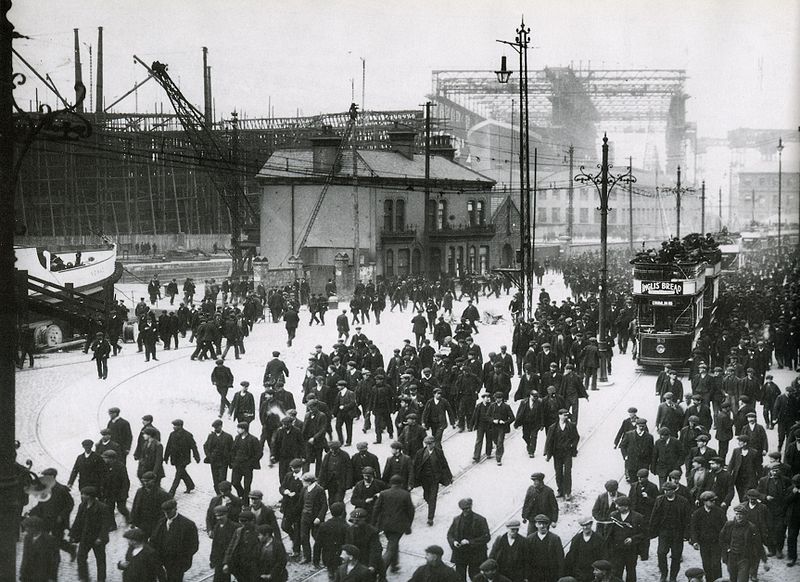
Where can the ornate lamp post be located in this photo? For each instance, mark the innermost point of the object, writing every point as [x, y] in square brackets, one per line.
[604, 183]
[520, 45]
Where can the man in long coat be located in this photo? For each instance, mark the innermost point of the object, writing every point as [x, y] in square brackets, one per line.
[430, 471]
[468, 537]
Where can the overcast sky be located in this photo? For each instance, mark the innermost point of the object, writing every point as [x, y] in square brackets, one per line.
[741, 56]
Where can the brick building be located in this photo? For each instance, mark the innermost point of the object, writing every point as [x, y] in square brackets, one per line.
[390, 191]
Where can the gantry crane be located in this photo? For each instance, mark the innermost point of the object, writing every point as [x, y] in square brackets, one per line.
[220, 163]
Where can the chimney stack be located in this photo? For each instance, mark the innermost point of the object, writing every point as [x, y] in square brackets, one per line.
[402, 141]
[325, 149]
[442, 146]
[99, 101]
[78, 70]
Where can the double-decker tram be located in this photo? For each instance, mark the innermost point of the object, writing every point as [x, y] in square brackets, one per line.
[730, 246]
[675, 291]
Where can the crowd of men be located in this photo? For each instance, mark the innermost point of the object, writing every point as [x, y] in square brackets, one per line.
[331, 515]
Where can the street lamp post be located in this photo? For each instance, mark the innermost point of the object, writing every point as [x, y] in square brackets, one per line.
[520, 44]
[604, 183]
[780, 169]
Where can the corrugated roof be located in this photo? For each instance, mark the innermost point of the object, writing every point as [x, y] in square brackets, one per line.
[298, 164]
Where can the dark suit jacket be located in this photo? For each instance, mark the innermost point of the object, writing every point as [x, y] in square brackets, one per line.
[637, 533]
[40, 558]
[394, 511]
[314, 503]
[540, 501]
[476, 532]
[121, 433]
[401, 465]
[177, 545]
[88, 470]
[423, 466]
[667, 456]
[561, 442]
[360, 573]
[511, 559]
[91, 523]
[217, 448]
[143, 567]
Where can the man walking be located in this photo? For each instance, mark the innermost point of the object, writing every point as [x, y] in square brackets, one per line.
[90, 532]
[670, 523]
[175, 540]
[562, 445]
[180, 448]
[393, 515]
[468, 537]
[431, 470]
[246, 453]
[217, 450]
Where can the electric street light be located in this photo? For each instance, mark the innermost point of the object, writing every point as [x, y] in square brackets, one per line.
[604, 183]
[527, 240]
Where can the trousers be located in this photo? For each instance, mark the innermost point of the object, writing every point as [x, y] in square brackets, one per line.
[99, 557]
[563, 469]
[711, 557]
[482, 433]
[670, 543]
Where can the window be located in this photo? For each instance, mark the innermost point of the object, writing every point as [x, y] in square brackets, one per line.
[460, 262]
[388, 215]
[481, 213]
[389, 266]
[403, 258]
[451, 260]
[430, 215]
[556, 215]
[471, 212]
[441, 219]
[400, 214]
[483, 260]
[472, 260]
[583, 215]
[541, 215]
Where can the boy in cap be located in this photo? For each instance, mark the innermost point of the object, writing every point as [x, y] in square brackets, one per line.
[546, 550]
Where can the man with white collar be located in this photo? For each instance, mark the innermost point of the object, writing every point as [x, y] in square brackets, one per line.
[757, 434]
[562, 445]
[175, 541]
[510, 551]
[586, 547]
[627, 539]
[546, 551]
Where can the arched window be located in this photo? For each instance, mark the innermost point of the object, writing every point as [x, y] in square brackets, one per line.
[389, 266]
[430, 215]
[442, 217]
[400, 214]
[388, 215]
[483, 260]
[471, 265]
[471, 212]
[481, 213]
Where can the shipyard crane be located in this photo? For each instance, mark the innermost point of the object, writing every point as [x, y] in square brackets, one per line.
[348, 134]
[219, 162]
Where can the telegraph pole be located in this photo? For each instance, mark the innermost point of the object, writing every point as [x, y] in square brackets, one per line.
[630, 205]
[356, 229]
[570, 194]
[703, 208]
[678, 191]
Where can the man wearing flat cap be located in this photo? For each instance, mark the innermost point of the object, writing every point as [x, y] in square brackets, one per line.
[175, 540]
[741, 546]
[586, 547]
[539, 499]
[434, 570]
[627, 539]
[636, 447]
[744, 466]
[40, 557]
[120, 430]
[775, 490]
[246, 454]
[490, 573]
[141, 562]
[667, 455]
[697, 575]
[217, 450]
[146, 508]
[510, 551]
[367, 539]
[468, 537]
[601, 571]
[90, 532]
[55, 511]
[221, 534]
[180, 449]
[115, 488]
[430, 470]
[670, 524]
[706, 524]
[88, 467]
[352, 569]
[546, 551]
[562, 445]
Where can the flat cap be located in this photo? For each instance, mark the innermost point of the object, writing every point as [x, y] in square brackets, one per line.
[708, 496]
[135, 534]
[351, 550]
[434, 549]
[740, 508]
[465, 503]
[622, 501]
[169, 504]
[221, 510]
[642, 473]
[753, 493]
[641, 421]
[105, 431]
[670, 486]
[114, 409]
[109, 454]
[514, 523]
[295, 463]
[368, 471]
[541, 518]
[664, 430]
[695, 572]
[586, 520]
[488, 565]
[612, 485]
[256, 494]
[148, 417]
[633, 410]
[537, 476]
[243, 425]
[89, 490]
[603, 565]
[703, 437]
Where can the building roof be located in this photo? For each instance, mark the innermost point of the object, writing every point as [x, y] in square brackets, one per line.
[385, 165]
